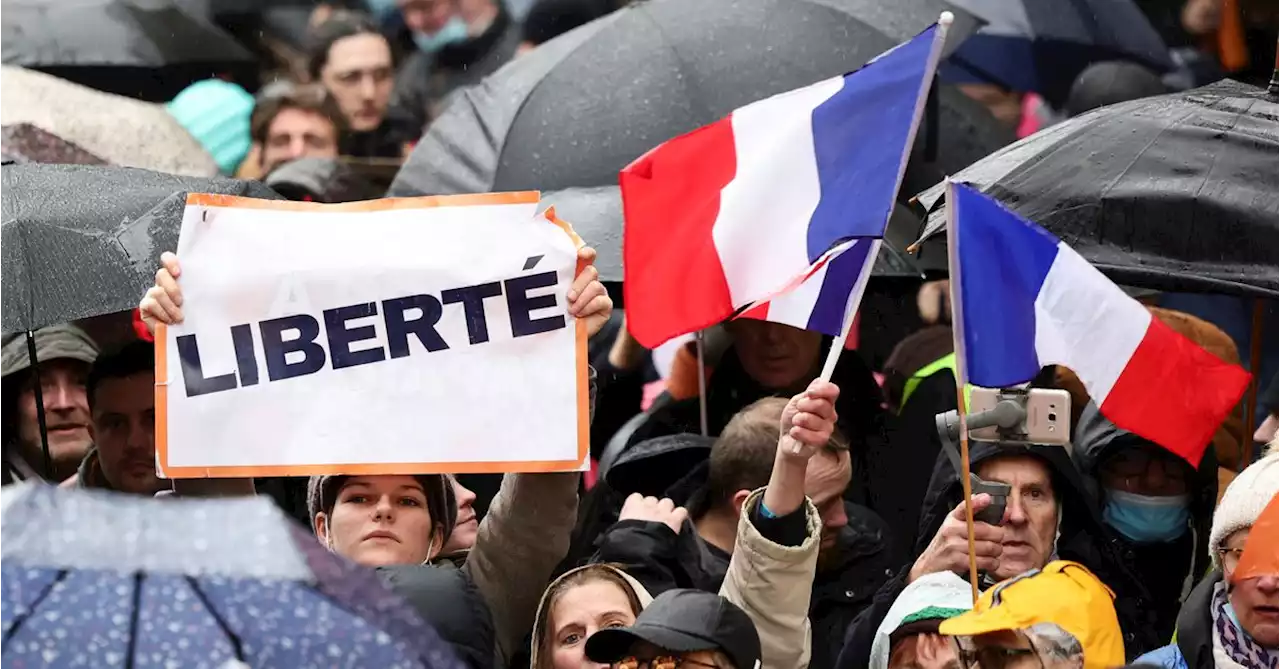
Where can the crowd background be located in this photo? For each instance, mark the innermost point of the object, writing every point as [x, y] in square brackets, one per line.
[848, 556]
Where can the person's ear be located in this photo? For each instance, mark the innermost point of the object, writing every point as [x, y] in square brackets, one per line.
[320, 526]
[740, 498]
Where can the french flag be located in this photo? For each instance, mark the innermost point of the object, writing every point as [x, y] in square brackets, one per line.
[1023, 300]
[821, 302]
[741, 210]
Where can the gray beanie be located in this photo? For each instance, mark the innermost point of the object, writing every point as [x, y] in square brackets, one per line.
[55, 342]
[1243, 501]
[442, 504]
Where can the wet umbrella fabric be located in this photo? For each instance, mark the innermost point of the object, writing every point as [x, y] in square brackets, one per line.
[121, 130]
[82, 241]
[147, 49]
[99, 579]
[668, 67]
[1041, 46]
[1173, 193]
[25, 143]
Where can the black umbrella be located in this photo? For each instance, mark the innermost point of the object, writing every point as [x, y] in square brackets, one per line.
[1041, 45]
[578, 109]
[1176, 192]
[26, 143]
[82, 241]
[145, 49]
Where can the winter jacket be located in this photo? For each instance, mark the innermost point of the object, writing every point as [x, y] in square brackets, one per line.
[425, 80]
[771, 583]
[1081, 539]
[1167, 571]
[1195, 632]
[450, 602]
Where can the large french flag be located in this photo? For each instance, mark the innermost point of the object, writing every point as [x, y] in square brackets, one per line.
[1022, 300]
[737, 211]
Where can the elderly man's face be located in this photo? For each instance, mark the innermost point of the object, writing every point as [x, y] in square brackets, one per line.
[925, 651]
[1031, 518]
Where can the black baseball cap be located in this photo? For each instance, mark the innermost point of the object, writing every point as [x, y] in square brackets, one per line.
[684, 621]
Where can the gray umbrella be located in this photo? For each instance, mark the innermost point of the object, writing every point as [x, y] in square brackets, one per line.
[578, 109]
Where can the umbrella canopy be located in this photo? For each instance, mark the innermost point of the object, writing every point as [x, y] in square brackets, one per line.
[80, 241]
[122, 130]
[107, 580]
[25, 143]
[578, 109]
[1175, 193]
[147, 49]
[1042, 45]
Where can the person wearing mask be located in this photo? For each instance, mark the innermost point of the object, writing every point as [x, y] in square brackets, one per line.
[459, 42]
[122, 400]
[297, 122]
[399, 524]
[1058, 617]
[909, 638]
[1228, 622]
[353, 61]
[65, 354]
[1155, 506]
[1048, 515]
[681, 628]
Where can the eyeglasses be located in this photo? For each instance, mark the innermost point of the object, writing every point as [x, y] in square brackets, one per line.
[1230, 557]
[1000, 657]
[660, 662]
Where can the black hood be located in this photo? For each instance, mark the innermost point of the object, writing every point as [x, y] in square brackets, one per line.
[1098, 439]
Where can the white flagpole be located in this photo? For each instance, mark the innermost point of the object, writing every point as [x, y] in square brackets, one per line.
[855, 296]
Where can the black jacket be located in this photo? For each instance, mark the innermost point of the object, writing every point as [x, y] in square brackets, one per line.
[1165, 571]
[1081, 539]
[447, 600]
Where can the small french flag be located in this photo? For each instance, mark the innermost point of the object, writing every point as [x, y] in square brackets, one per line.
[741, 210]
[1022, 300]
[821, 300]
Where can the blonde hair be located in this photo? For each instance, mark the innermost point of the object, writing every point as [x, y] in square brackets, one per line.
[589, 574]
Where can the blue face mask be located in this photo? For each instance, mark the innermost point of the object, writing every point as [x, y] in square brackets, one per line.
[452, 32]
[381, 10]
[1147, 520]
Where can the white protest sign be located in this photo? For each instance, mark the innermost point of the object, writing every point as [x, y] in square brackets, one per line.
[384, 337]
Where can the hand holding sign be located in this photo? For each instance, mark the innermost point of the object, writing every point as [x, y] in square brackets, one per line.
[588, 298]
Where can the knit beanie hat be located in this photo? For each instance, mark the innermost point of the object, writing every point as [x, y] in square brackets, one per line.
[1243, 501]
[216, 113]
[442, 504]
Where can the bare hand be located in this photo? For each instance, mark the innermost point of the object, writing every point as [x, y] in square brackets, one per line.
[654, 510]
[949, 550]
[163, 301]
[588, 299]
[809, 420]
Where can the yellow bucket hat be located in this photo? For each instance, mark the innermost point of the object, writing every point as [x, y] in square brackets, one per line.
[1063, 593]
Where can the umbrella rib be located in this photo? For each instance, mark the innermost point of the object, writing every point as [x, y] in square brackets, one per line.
[22, 618]
[234, 639]
[134, 614]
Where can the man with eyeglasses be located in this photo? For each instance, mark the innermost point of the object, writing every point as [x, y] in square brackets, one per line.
[1156, 507]
[1059, 617]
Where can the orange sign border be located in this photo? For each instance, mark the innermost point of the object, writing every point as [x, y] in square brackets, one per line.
[366, 469]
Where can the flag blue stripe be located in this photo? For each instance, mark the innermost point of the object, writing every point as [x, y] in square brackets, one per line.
[1004, 260]
[843, 271]
[859, 134]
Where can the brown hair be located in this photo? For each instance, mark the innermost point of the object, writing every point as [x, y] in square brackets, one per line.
[311, 98]
[591, 573]
[742, 457]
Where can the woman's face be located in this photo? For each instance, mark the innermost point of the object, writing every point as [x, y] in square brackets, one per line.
[380, 520]
[581, 611]
[1254, 600]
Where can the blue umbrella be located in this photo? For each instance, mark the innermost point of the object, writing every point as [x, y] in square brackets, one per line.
[93, 579]
[1040, 46]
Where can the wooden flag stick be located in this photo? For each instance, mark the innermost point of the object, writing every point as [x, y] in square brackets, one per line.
[968, 492]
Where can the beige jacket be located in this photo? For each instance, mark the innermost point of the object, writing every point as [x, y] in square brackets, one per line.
[522, 538]
[773, 583]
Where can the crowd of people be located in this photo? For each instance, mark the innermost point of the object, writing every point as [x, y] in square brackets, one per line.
[769, 519]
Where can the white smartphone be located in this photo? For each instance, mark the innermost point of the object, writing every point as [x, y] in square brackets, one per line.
[1048, 415]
